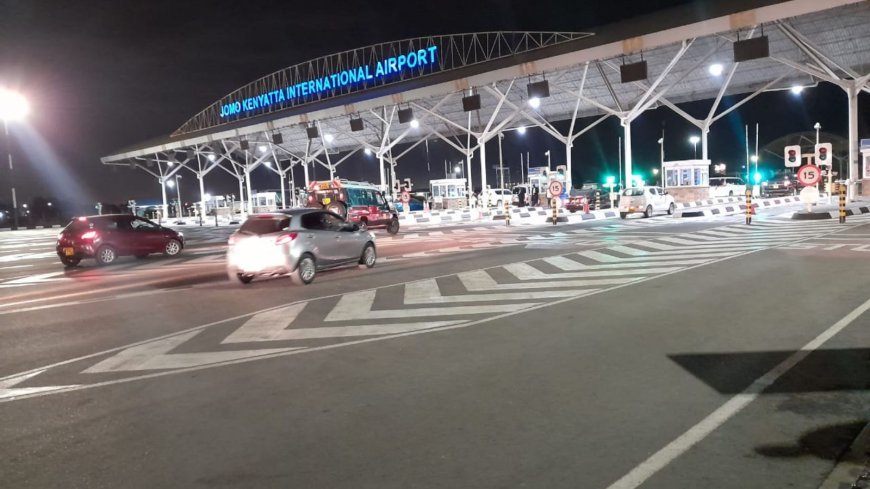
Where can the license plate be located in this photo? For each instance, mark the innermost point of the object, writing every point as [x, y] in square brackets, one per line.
[69, 251]
[324, 186]
[326, 201]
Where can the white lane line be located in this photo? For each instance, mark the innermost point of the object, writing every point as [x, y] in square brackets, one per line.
[15, 266]
[717, 418]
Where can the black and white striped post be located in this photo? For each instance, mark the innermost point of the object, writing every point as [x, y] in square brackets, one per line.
[507, 212]
[842, 189]
[748, 206]
[597, 200]
[555, 210]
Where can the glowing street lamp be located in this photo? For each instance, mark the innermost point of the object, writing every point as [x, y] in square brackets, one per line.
[521, 129]
[534, 102]
[13, 107]
[695, 140]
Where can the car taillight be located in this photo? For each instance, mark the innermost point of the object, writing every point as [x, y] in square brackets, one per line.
[232, 239]
[285, 238]
[89, 234]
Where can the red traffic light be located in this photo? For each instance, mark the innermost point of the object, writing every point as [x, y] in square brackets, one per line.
[791, 156]
[823, 153]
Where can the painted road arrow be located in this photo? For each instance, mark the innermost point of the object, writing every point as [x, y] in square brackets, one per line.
[8, 391]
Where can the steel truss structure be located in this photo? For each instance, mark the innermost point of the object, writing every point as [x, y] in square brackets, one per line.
[810, 42]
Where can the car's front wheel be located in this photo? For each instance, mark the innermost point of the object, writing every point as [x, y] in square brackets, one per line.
[172, 248]
[363, 225]
[393, 228]
[648, 212]
[106, 255]
[305, 271]
[623, 215]
[671, 209]
[369, 256]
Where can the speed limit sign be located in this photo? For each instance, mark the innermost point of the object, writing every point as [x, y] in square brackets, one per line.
[555, 188]
[809, 175]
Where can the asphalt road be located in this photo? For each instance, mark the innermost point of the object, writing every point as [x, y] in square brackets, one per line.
[654, 353]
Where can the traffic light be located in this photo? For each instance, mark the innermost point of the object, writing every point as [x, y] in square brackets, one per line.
[792, 156]
[823, 154]
[757, 178]
[610, 179]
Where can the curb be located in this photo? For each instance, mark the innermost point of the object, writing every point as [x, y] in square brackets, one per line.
[736, 207]
[853, 467]
[854, 211]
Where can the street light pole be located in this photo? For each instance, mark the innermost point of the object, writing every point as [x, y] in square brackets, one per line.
[11, 173]
[178, 192]
[500, 164]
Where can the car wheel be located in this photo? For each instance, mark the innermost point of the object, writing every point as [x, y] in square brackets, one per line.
[305, 271]
[648, 212]
[369, 256]
[731, 193]
[393, 228]
[70, 262]
[363, 225]
[106, 255]
[142, 257]
[172, 248]
[244, 278]
[671, 209]
[622, 215]
[338, 208]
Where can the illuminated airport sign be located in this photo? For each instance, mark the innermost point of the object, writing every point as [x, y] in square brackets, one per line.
[342, 79]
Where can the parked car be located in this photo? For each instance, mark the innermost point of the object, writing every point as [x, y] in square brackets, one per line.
[357, 202]
[727, 187]
[645, 200]
[416, 204]
[106, 237]
[574, 203]
[515, 194]
[498, 196]
[299, 243]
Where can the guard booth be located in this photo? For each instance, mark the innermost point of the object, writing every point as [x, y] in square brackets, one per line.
[687, 180]
[449, 193]
[865, 160]
[266, 202]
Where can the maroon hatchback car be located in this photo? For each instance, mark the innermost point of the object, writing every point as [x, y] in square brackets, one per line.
[105, 238]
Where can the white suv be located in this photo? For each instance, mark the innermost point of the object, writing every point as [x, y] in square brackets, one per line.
[645, 200]
[727, 187]
[498, 196]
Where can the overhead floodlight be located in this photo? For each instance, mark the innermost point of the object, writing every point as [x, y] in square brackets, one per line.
[534, 102]
[749, 49]
[169, 163]
[356, 124]
[244, 144]
[521, 129]
[367, 151]
[13, 106]
[277, 138]
[716, 69]
[539, 89]
[170, 183]
[212, 157]
[471, 102]
[797, 89]
[406, 115]
[633, 72]
[415, 123]
[328, 138]
[262, 148]
[267, 163]
[694, 140]
[312, 132]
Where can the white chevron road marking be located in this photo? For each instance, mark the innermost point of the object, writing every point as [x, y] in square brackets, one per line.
[524, 271]
[154, 355]
[357, 306]
[7, 389]
[569, 265]
[639, 255]
[273, 326]
[427, 292]
[480, 281]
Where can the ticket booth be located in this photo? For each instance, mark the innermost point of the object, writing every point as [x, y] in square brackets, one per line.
[687, 180]
[449, 193]
[865, 174]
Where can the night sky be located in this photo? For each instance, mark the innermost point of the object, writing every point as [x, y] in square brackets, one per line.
[105, 75]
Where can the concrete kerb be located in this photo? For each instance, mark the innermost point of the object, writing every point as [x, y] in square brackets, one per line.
[738, 206]
[854, 466]
[854, 210]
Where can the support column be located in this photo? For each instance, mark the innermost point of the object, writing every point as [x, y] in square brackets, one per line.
[484, 197]
[163, 212]
[626, 124]
[248, 187]
[305, 170]
[395, 190]
[201, 177]
[854, 176]
[468, 174]
[292, 185]
[704, 153]
[568, 179]
[381, 170]
[241, 202]
[283, 198]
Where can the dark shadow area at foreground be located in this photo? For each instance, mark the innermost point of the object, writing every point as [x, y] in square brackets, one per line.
[822, 371]
[828, 442]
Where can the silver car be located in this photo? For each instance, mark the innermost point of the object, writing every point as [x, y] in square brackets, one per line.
[298, 242]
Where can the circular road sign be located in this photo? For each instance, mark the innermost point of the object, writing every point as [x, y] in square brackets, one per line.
[809, 175]
[555, 188]
[406, 197]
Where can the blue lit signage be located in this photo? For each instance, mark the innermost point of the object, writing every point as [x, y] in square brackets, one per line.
[383, 68]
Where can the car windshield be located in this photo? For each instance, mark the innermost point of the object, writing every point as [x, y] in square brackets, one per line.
[267, 225]
[633, 192]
